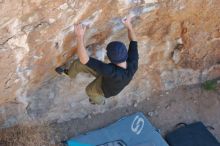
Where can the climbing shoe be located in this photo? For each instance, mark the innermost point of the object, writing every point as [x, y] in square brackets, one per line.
[62, 70]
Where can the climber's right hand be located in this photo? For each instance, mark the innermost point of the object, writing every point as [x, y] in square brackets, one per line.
[79, 30]
[127, 21]
[128, 25]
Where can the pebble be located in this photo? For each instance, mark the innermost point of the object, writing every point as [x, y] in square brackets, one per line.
[135, 104]
[167, 107]
[151, 114]
[89, 117]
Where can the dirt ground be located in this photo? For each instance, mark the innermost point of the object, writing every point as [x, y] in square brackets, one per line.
[165, 109]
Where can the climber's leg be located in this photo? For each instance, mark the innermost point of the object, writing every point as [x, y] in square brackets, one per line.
[77, 67]
[94, 91]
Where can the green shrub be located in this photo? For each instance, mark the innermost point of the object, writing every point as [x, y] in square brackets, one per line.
[210, 85]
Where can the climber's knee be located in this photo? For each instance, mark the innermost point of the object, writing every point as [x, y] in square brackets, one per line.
[94, 96]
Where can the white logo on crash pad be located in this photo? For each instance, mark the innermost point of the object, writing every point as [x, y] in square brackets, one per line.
[137, 125]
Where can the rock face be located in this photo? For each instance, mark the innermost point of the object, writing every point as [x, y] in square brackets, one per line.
[179, 44]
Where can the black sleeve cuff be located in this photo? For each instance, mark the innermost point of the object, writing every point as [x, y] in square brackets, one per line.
[90, 63]
[133, 44]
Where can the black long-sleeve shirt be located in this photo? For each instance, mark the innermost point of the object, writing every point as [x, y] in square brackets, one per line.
[116, 78]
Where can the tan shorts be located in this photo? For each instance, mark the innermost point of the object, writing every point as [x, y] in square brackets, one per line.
[93, 90]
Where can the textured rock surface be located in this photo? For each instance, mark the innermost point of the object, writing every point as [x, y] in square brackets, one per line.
[179, 44]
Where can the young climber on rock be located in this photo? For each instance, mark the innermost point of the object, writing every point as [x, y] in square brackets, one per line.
[110, 79]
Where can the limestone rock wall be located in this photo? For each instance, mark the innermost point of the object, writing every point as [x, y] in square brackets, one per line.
[179, 44]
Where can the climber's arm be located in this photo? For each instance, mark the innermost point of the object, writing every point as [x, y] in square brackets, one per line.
[131, 34]
[81, 50]
[133, 46]
[128, 25]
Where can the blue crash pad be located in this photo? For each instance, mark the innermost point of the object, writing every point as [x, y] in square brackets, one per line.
[134, 130]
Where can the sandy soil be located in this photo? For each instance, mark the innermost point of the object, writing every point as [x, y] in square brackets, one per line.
[164, 110]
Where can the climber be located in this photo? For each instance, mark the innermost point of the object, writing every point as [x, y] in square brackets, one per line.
[110, 78]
